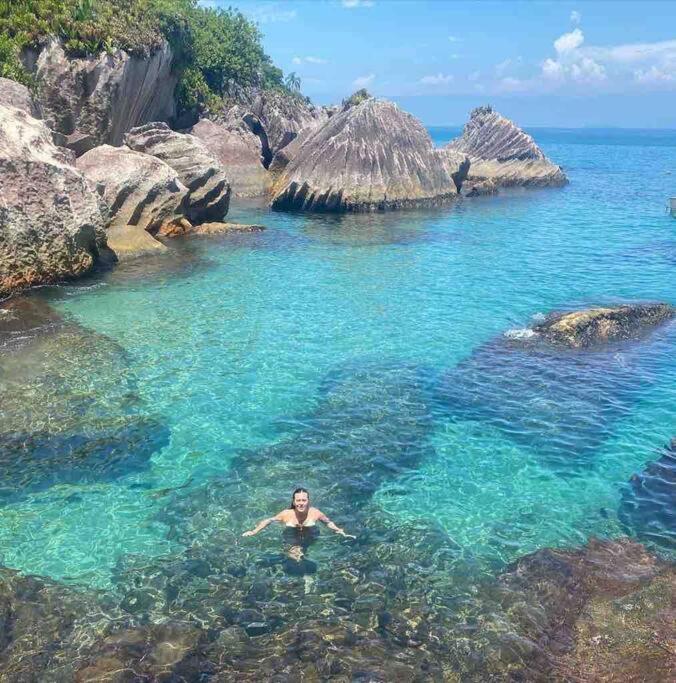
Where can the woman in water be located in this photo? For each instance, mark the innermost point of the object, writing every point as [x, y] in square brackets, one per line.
[299, 518]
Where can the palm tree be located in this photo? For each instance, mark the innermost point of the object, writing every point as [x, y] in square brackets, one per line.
[292, 81]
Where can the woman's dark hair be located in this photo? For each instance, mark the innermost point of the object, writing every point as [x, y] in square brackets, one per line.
[293, 496]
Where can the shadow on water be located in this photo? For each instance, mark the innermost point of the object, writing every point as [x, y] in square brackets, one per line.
[562, 404]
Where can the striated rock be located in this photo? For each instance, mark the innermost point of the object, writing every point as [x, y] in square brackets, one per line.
[197, 168]
[51, 222]
[177, 228]
[648, 506]
[284, 156]
[593, 326]
[372, 156]
[13, 94]
[456, 164]
[95, 100]
[239, 152]
[142, 192]
[500, 151]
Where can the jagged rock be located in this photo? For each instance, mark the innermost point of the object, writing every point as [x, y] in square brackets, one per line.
[500, 151]
[95, 100]
[197, 168]
[142, 192]
[288, 153]
[177, 229]
[456, 164]
[51, 222]
[370, 157]
[593, 326]
[13, 94]
[648, 506]
[239, 152]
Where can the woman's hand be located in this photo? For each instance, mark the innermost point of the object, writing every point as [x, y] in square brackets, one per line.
[342, 533]
[249, 533]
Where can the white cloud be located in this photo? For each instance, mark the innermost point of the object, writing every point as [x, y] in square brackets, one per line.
[364, 81]
[654, 76]
[309, 60]
[271, 13]
[502, 68]
[454, 39]
[351, 4]
[587, 71]
[569, 41]
[510, 84]
[437, 79]
[474, 76]
[553, 70]
[575, 17]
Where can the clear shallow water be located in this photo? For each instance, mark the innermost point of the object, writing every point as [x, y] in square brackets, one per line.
[321, 353]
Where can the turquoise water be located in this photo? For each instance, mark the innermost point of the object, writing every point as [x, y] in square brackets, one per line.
[330, 352]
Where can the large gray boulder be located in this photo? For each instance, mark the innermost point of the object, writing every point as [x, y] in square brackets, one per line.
[95, 100]
[239, 152]
[13, 94]
[197, 168]
[142, 192]
[499, 151]
[370, 157]
[51, 221]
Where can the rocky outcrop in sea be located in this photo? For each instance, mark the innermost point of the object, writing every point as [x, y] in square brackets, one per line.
[95, 100]
[370, 157]
[502, 154]
[197, 168]
[51, 221]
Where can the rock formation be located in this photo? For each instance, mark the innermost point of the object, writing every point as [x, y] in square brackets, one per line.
[648, 505]
[95, 100]
[500, 151]
[238, 150]
[197, 168]
[594, 326]
[51, 222]
[370, 157]
[142, 192]
[13, 94]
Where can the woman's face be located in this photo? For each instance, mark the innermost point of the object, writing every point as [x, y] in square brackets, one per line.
[301, 501]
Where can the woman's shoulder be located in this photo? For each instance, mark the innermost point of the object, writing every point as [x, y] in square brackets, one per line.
[284, 514]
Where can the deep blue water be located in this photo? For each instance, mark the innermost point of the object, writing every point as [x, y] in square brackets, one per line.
[364, 357]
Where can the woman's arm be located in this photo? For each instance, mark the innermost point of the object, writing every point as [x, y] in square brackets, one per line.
[262, 524]
[334, 527]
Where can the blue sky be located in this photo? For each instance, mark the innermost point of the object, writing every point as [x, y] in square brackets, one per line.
[542, 63]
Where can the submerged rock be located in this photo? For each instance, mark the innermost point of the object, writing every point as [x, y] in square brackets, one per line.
[95, 100]
[559, 402]
[51, 222]
[595, 326]
[143, 195]
[239, 152]
[372, 156]
[648, 505]
[197, 168]
[500, 151]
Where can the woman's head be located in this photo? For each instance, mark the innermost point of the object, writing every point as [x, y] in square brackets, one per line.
[300, 500]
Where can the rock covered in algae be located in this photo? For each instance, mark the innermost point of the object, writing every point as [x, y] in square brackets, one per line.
[500, 151]
[648, 505]
[51, 220]
[595, 326]
[369, 157]
[197, 168]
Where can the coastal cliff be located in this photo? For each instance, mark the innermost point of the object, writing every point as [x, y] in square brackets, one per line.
[95, 100]
[369, 157]
[502, 154]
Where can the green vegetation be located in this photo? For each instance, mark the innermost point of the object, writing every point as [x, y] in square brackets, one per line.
[356, 98]
[212, 47]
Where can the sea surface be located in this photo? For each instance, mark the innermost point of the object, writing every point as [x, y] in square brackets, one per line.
[178, 400]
